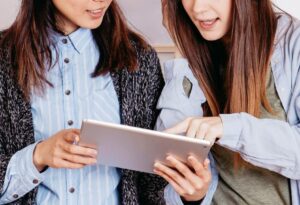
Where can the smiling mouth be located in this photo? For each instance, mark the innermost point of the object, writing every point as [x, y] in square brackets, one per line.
[96, 11]
[208, 23]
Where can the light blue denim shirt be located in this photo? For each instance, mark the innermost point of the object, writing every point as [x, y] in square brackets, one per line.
[176, 106]
[267, 143]
[75, 96]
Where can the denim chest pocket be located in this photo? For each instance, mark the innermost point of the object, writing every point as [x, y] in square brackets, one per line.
[94, 86]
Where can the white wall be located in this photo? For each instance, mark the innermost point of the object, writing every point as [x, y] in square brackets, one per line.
[145, 15]
[291, 6]
[8, 11]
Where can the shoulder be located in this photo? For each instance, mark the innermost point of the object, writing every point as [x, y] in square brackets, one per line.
[3, 65]
[146, 56]
[148, 68]
[8, 82]
[288, 34]
[5, 56]
[287, 44]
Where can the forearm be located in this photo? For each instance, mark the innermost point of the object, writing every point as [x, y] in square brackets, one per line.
[270, 144]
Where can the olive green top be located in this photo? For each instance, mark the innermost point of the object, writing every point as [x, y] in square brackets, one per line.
[242, 183]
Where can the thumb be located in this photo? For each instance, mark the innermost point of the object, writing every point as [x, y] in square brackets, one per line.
[72, 138]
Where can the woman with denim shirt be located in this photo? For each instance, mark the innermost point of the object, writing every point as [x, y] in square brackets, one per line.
[62, 62]
[254, 119]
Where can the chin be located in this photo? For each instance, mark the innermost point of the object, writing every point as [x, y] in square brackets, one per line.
[92, 25]
[212, 37]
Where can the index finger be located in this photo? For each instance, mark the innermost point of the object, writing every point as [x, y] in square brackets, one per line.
[180, 167]
[201, 169]
[79, 150]
[180, 127]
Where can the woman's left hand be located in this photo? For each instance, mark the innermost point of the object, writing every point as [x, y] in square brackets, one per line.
[190, 182]
[207, 128]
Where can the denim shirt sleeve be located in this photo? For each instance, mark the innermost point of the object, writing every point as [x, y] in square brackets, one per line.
[175, 106]
[268, 143]
[21, 175]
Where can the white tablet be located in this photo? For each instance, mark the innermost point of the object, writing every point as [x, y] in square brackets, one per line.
[136, 148]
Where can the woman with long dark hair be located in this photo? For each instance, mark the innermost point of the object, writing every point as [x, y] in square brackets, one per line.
[246, 59]
[62, 62]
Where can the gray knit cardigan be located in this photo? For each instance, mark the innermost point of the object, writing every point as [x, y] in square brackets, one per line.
[138, 93]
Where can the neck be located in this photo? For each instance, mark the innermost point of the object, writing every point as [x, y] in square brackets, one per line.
[65, 26]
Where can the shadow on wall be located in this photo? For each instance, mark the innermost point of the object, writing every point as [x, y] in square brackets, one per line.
[146, 16]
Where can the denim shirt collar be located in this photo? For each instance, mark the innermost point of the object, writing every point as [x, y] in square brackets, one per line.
[78, 39]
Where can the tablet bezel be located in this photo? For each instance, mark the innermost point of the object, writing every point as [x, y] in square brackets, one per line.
[135, 148]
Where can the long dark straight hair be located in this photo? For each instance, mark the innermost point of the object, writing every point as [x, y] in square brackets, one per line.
[245, 60]
[29, 44]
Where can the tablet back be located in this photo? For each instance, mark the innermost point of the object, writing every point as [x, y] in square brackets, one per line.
[138, 149]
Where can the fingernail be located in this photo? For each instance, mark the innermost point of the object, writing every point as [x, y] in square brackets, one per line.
[169, 158]
[206, 163]
[156, 164]
[191, 192]
[190, 158]
[77, 138]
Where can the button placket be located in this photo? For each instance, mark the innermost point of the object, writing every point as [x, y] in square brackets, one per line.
[72, 190]
[67, 92]
[67, 60]
[35, 181]
[70, 122]
[67, 85]
[64, 41]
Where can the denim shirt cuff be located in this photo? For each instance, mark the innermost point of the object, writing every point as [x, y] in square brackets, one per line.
[232, 129]
[171, 196]
[27, 169]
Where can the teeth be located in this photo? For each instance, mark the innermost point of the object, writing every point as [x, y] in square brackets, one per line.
[209, 22]
[95, 11]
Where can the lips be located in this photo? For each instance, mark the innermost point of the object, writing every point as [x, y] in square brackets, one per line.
[96, 13]
[208, 23]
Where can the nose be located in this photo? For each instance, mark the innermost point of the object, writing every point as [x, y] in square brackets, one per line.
[200, 6]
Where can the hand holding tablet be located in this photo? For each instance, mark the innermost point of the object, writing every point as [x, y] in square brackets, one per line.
[136, 148]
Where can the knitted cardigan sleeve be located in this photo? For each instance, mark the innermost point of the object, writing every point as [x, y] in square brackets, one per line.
[150, 186]
[4, 156]
[16, 127]
[138, 93]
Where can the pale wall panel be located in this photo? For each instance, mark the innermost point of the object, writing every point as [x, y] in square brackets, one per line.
[145, 15]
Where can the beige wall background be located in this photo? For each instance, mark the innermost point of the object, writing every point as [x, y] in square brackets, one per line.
[144, 15]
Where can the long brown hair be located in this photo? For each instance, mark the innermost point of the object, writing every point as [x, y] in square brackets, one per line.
[244, 61]
[29, 43]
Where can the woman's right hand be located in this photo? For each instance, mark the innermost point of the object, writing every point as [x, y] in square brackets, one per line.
[60, 151]
[190, 182]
